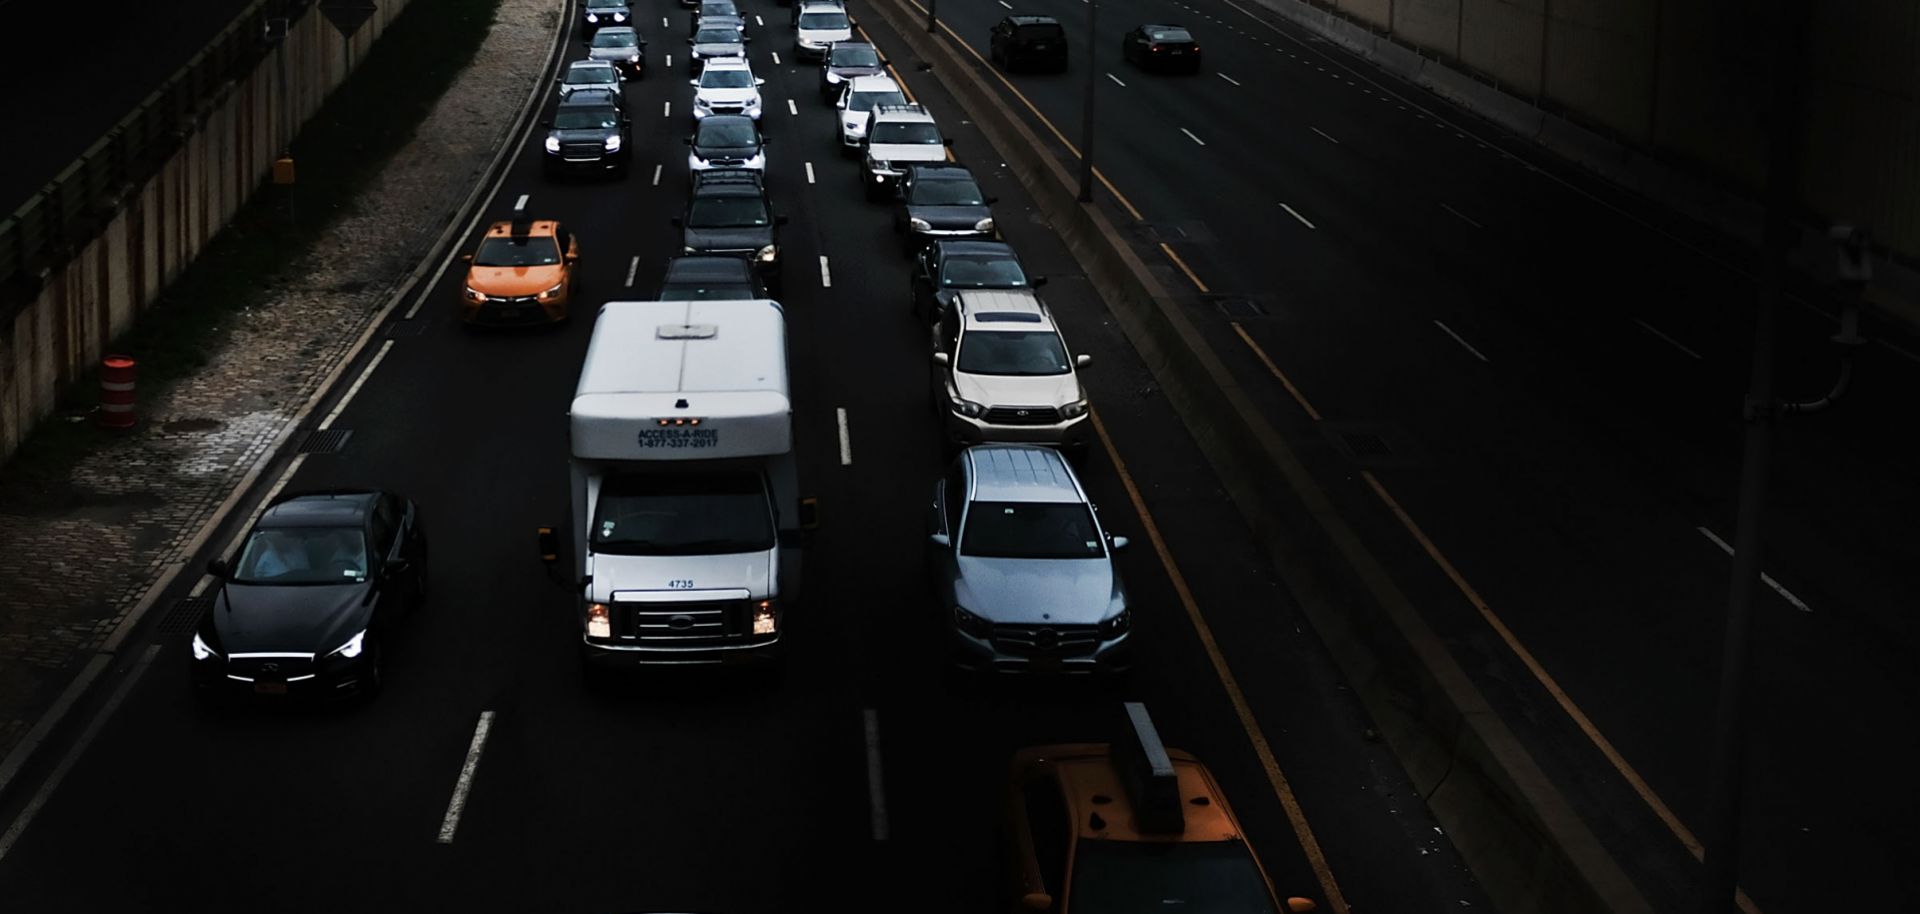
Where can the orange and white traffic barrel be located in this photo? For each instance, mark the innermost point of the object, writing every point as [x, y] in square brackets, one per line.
[117, 373]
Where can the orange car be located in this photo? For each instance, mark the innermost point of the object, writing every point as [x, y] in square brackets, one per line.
[522, 273]
[1129, 827]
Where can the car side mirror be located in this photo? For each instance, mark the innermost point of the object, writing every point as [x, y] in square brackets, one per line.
[689, 41]
[219, 568]
[693, 82]
[547, 124]
[466, 258]
[992, 200]
[941, 540]
[1119, 542]
[810, 513]
[1082, 361]
[746, 39]
[1035, 282]
[572, 258]
[759, 81]
[1037, 901]
[941, 358]
[780, 220]
[687, 140]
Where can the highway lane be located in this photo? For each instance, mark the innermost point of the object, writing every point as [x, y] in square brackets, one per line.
[129, 49]
[701, 792]
[1572, 421]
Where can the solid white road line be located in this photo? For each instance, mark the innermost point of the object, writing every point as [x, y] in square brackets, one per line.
[1670, 340]
[656, 174]
[776, 57]
[1116, 80]
[1190, 136]
[633, 266]
[1462, 216]
[1296, 214]
[809, 172]
[1227, 78]
[521, 203]
[464, 784]
[876, 788]
[52, 783]
[846, 437]
[1765, 578]
[1458, 339]
[1324, 135]
[792, 108]
[365, 373]
[826, 276]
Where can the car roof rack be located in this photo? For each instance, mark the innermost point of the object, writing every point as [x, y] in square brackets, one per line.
[1147, 774]
[909, 108]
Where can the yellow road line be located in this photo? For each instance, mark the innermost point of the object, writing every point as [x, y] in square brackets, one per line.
[1286, 382]
[1278, 779]
[1194, 277]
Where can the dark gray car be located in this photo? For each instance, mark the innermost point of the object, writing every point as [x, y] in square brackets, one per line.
[728, 213]
[846, 60]
[942, 202]
[1021, 570]
[588, 134]
[712, 43]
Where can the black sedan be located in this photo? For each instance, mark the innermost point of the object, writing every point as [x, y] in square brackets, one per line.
[307, 607]
[946, 267]
[941, 201]
[1162, 47]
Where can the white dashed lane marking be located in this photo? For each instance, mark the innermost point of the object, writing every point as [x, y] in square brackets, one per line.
[633, 266]
[1190, 136]
[1766, 579]
[1228, 78]
[1296, 214]
[1462, 341]
[1116, 80]
[1324, 135]
[1463, 217]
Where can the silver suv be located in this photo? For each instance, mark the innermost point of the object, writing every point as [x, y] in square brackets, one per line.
[1021, 569]
[898, 135]
[1001, 373]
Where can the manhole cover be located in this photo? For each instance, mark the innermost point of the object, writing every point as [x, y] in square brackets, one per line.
[328, 441]
[184, 615]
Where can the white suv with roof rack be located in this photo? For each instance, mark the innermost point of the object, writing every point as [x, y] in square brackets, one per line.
[726, 86]
[1002, 373]
[896, 136]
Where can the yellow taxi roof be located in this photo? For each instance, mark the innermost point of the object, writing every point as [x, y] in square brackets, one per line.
[1098, 802]
[545, 227]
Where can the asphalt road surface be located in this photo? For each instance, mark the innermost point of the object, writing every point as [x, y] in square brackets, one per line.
[706, 792]
[1555, 370]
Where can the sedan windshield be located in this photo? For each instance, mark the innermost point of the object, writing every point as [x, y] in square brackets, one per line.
[718, 291]
[855, 58]
[864, 101]
[303, 555]
[616, 38]
[1032, 530]
[947, 192]
[683, 513]
[593, 76]
[517, 252]
[1174, 35]
[824, 21]
[1137, 877]
[716, 36]
[726, 79]
[716, 132]
[727, 212]
[719, 8]
[1012, 352]
[585, 119]
[982, 271]
[909, 133]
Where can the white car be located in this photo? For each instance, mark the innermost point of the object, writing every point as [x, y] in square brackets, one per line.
[726, 86]
[857, 101]
[589, 74]
[1002, 373]
[818, 27]
[898, 136]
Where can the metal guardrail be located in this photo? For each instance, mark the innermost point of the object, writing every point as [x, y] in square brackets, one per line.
[69, 210]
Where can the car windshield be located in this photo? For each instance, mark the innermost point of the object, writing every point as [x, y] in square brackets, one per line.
[1137, 877]
[609, 38]
[864, 101]
[714, 291]
[525, 251]
[585, 119]
[855, 57]
[727, 212]
[715, 132]
[947, 192]
[1041, 32]
[1169, 35]
[982, 271]
[723, 8]
[726, 79]
[1012, 352]
[716, 36]
[683, 513]
[593, 76]
[908, 133]
[1032, 530]
[824, 21]
[303, 555]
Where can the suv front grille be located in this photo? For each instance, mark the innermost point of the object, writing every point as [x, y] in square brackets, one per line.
[582, 150]
[1022, 415]
[1046, 640]
[692, 624]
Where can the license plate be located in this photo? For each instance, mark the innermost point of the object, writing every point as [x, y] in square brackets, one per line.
[270, 688]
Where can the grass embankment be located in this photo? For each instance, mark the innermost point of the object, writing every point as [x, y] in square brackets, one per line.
[338, 154]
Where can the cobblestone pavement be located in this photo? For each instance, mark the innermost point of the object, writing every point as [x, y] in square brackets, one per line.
[70, 575]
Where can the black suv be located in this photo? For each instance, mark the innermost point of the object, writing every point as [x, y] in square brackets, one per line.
[948, 267]
[941, 201]
[704, 277]
[1029, 41]
[589, 134]
[727, 213]
[597, 13]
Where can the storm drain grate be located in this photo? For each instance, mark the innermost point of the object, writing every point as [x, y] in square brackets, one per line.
[184, 615]
[1237, 308]
[399, 329]
[325, 441]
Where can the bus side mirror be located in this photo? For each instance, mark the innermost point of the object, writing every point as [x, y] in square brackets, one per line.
[810, 513]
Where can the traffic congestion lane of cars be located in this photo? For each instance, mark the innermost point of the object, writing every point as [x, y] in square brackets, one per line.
[476, 458]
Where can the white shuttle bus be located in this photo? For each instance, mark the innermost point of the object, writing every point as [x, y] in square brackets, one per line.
[686, 514]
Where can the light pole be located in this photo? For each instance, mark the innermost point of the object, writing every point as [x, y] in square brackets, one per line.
[1086, 121]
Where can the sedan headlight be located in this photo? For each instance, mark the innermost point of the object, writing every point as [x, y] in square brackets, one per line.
[619, 17]
[767, 254]
[593, 17]
[352, 648]
[969, 408]
[201, 651]
[1115, 626]
[918, 224]
[551, 294]
[599, 621]
[984, 225]
[613, 143]
[476, 295]
[553, 144]
[971, 624]
[1074, 410]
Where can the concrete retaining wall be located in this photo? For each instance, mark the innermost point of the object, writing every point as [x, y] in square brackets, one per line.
[160, 227]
